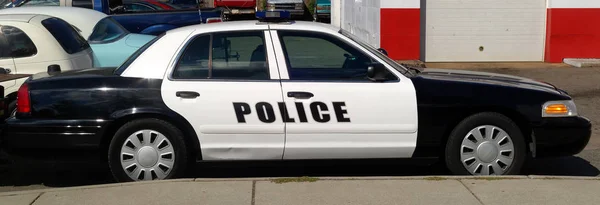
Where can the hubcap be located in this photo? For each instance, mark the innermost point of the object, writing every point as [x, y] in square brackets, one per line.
[147, 155]
[487, 150]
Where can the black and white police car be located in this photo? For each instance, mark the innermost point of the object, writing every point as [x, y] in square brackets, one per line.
[259, 90]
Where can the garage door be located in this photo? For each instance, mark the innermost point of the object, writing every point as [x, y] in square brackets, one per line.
[484, 30]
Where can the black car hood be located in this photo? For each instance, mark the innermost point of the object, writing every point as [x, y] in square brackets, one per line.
[487, 78]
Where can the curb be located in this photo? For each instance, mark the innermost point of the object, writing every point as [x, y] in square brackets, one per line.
[208, 180]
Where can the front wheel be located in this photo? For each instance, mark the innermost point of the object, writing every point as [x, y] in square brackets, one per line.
[147, 149]
[486, 144]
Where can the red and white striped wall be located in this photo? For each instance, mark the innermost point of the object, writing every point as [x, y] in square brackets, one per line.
[572, 30]
[475, 30]
[400, 32]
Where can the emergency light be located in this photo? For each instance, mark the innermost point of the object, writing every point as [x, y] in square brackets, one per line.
[273, 16]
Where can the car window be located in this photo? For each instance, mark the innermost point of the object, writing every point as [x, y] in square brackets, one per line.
[231, 55]
[316, 56]
[70, 40]
[4, 48]
[137, 7]
[88, 4]
[40, 3]
[107, 30]
[19, 44]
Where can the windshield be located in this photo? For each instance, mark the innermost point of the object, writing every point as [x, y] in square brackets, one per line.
[373, 50]
[133, 56]
[107, 30]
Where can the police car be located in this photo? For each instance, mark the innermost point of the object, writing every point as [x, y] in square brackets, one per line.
[284, 90]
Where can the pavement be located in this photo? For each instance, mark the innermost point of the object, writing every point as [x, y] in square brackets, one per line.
[324, 191]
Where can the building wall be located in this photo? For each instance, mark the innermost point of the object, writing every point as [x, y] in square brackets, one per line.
[573, 30]
[362, 18]
[401, 28]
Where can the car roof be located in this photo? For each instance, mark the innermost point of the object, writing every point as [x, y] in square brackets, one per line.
[249, 24]
[17, 17]
[84, 19]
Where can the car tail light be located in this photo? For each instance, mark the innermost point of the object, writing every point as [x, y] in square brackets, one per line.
[23, 99]
[214, 20]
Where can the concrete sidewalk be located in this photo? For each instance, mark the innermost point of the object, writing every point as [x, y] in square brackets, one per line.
[309, 191]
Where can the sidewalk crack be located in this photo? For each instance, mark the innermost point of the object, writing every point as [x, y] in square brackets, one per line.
[36, 198]
[464, 185]
[253, 192]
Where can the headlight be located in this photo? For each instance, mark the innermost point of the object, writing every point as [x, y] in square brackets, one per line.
[299, 6]
[270, 7]
[563, 108]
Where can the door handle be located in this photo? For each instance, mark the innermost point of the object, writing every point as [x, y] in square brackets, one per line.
[300, 95]
[187, 94]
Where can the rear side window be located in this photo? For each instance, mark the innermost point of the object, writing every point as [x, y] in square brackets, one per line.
[17, 43]
[65, 34]
[228, 55]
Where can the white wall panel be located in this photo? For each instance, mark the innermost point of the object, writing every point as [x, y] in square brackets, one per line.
[573, 3]
[508, 30]
[412, 4]
[362, 18]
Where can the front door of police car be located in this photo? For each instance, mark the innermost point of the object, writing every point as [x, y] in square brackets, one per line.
[334, 110]
[226, 88]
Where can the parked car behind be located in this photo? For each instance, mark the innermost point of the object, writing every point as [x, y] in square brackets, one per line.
[322, 11]
[152, 22]
[111, 43]
[295, 7]
[31, 43]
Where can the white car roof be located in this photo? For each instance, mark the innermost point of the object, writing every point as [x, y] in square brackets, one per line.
[83, 19]
[252, 24]
[16, 17]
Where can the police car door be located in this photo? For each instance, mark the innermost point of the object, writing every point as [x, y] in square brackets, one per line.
[226, 88]
[333, 110]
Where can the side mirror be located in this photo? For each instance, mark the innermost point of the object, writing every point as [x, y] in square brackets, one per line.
[383, 51]
[3, 71]
[53, 68]
[377, 72]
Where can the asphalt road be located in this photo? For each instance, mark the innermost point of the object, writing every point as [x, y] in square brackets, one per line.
[582, 83]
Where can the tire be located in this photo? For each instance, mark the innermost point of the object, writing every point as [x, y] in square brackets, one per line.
[492, 154]
[149, 154]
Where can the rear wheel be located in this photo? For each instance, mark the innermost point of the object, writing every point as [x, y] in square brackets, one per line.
[147, 149]
[486, 144]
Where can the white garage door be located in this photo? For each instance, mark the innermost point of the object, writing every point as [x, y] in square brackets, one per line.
[484, 30]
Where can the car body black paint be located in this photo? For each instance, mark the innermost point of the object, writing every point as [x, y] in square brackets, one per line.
[445, 97]
[74, 109]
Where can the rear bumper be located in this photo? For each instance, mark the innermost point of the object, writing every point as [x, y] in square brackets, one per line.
[51, 137]
[562, 136]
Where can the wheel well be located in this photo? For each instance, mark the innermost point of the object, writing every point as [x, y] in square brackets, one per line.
[189, 135]
[520, 120]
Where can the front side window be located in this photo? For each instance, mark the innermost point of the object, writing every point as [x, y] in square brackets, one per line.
[70, 40]
[316, 56]
[18, 43]
[107, 30]
[231, 55]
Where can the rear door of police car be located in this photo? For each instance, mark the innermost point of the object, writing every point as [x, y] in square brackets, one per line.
[334, 111]
[227, 86]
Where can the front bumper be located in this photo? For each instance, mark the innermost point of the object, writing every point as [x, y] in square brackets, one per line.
[561, 136]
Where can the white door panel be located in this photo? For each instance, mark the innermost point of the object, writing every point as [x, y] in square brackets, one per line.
[234, 119]
[343, 119]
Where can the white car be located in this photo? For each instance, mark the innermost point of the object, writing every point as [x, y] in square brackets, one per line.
[32, 44]
[111, 43]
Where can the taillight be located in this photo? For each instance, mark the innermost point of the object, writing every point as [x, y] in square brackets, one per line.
[23, 100]
[214, 20]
